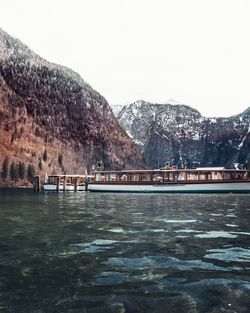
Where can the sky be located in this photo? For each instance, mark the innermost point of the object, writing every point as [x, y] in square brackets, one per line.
[193, 52]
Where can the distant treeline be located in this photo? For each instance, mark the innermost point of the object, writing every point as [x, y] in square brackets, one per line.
[17, 171]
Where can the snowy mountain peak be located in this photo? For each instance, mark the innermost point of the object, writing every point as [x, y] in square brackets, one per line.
[173, 131]
[172, 101]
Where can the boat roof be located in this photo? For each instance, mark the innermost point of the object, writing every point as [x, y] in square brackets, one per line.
[210, 168]
[61, 175]
[199, 169]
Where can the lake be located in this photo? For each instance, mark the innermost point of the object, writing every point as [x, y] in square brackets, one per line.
[97, 252]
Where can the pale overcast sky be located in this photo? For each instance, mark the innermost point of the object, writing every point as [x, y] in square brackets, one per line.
[196, 52]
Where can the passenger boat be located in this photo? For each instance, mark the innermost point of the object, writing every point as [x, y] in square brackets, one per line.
[64, 183]
[199, 180]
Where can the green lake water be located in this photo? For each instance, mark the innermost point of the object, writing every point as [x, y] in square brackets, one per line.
[91, 252]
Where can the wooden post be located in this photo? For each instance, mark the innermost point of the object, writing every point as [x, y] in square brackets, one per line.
[37, 184]
[86, 183]
[64, 183]
[57, 184]
[75, 184]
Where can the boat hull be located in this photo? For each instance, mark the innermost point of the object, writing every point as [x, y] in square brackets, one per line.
[241, 187]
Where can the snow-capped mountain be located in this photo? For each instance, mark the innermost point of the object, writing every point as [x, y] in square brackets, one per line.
[181, 135]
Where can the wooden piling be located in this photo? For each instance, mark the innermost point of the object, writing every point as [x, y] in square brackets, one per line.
[86, 183]
[57, 184]
[76, 184]
[37, 184]
[64, 183]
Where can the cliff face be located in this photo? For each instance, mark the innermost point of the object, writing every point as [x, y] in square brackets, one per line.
[180, 134]
[52, 119]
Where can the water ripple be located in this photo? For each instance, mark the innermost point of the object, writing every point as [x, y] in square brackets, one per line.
[159, 262]
[217, 234]
[176, 221]
[234, 254]
[75, 252]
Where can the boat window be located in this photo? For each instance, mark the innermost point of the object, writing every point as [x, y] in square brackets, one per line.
[239, 176]
[111, 177]
[217, 175]
[166, 176]
[134, 177]
[179, 176]
[100, 177]
[192, 176]
[123, 177]
[202, 176]
[157, 177]
[145, 177]
[227, 176]
[182, 176]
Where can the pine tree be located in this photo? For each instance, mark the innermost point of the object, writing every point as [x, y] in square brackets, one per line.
[30, 173]
[5, 169]
[13, 172]
[60, 159]
[21, 170]
[45, 156]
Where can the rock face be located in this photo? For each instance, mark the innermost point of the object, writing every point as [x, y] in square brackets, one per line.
[179, 134]
[52, 119]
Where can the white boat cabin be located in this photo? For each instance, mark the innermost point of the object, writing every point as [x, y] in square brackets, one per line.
[168, 176]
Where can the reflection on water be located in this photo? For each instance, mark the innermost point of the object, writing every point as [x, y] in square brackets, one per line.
[216, 234]
[79, 252]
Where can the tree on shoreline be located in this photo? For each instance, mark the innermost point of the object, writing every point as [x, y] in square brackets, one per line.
[30, 173]
[60, 160]
[21, 170]
[45, 156]
[40, 165]
[13, 172]
[5, 168]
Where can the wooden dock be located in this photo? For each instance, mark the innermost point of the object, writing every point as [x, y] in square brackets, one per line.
[62, 183]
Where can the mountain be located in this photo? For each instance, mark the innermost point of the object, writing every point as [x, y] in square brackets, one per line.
[54, 121]
[181, 135]
[116, 108]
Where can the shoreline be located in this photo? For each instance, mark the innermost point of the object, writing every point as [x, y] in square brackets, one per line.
[16, 187]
